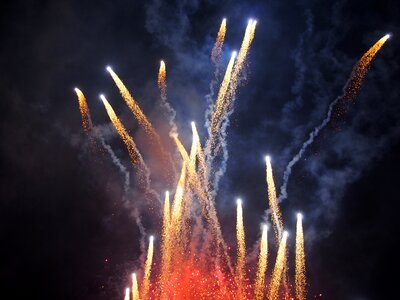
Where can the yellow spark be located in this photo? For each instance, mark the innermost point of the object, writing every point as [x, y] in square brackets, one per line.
[241, 247]
[135, 289]
[134, 154]
[147, 269]
[166, 245]
[300, 274]
[177, 206]
[361, 69]
[219, 42]
[273, 292]
[126, 294]
[273, 203]
[162, 81]
[84, 109]
[219, 103]
[262, 265]
[132, 104]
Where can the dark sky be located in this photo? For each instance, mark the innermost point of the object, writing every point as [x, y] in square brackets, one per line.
[64, 231]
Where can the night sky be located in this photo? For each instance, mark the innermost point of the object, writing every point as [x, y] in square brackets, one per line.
[65, 231]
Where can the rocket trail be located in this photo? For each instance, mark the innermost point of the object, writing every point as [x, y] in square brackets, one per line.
[165, 245]
[144, 122]
[300, 272]
[241, 249]
[273, 292]
[261, 266]
[273, 203]
[350, 91]
[147, 270]
[126, 294]
[135, 289]
[85, 113]
[162, 85]
[219, 42]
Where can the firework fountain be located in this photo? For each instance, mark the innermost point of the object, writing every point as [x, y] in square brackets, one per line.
[194, 259]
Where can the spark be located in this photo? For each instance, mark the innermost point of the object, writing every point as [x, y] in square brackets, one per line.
[147, 269]
[262, 265]
[126, 294]
[241, 247]
[219, 42]
[273, 203]
[280, 263]
[350, 91]
[135, 289]
[85, 113]
[300, 270]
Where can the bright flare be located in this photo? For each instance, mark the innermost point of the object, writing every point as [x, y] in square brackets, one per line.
[162, 81]
[126, 294]
[219, 42]
[261, 266]
[84, 109]
[300, 273]
[273, 292]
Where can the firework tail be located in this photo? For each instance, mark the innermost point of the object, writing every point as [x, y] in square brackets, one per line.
[273, 292]
[261, 265]
[135, 288]
[300, 271]
[241, 249]
[350, 91]
[147, 270]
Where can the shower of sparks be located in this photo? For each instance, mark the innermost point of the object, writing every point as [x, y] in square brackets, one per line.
[135, 288]
[261, 266]
[84, 109]
[273, 203]
[300, 272]
[147, 269]
[195, 261]
[241, 248]
[219, 42]
[273, 292]
[134, 154]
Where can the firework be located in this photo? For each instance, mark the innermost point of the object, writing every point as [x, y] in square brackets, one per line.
[280, 263]
[147, 269]
[85, 113]
[219, 42]
[262, 265]
[273, 203]
[300, 272]
[135, 289]
[350, 91]
[241, 248]
[162, 81]
[126, 294]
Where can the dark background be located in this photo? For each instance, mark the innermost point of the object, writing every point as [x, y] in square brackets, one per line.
[64, 232]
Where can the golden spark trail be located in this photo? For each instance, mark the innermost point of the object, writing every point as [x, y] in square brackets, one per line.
[85, 113]
[177, 206]
[261, 266]
[273, 203]
[134, 154]
[241, 248]
[147, 270]
[219, 42]
[166, 243]
[162, 81]
[280, 263]
[300, 272]
[135, 289]
[132, 104]
[350, 91]
[219, 103]
[126, 294]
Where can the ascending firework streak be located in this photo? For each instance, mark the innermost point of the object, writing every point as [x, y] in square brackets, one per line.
[162, 85]
[280, 263]
[134, 154]
[126, 294]
[261, 266]
[300, 275]
[85, 113]
[273, 203]
[147, 270]
[135, 289]
[241, 248]
[219, 42]
[350, 91]
[166, 242]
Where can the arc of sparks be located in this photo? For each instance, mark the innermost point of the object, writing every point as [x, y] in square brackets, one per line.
[147, 269]
[85, 113]
[219, 42]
